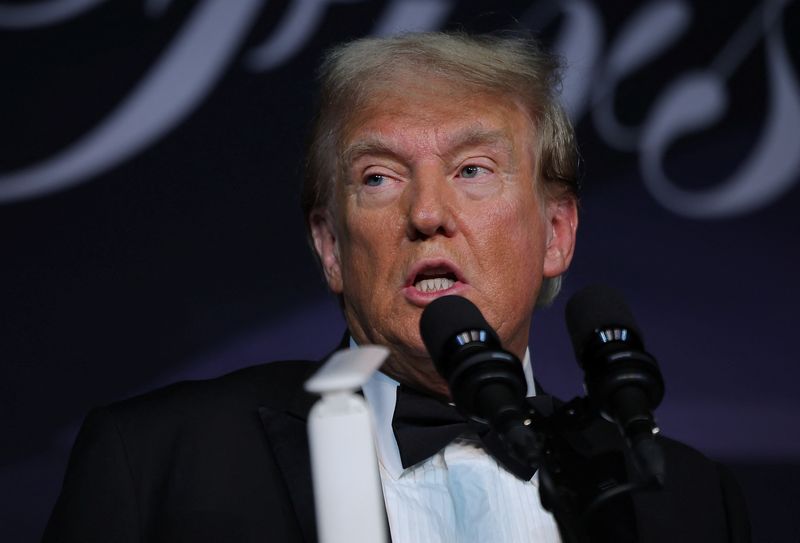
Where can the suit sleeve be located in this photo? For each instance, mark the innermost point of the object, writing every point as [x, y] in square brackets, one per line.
[98, 501]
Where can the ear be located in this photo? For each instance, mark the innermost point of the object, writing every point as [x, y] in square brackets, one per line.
[562, 225]
[326, 245]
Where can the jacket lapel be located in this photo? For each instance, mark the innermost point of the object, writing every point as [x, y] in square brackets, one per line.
[287, 435]
[288, 439]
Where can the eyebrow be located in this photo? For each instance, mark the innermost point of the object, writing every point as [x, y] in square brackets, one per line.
[473, 136]
[476, 136]
[369, 145]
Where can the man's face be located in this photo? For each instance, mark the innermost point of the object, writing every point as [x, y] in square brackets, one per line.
[438, 198]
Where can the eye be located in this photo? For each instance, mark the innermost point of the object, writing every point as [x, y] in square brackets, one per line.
[374, 180]
[471, 171]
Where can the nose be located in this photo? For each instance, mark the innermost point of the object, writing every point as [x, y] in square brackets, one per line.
[431, 202]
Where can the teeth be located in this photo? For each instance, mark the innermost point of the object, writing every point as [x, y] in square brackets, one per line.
[434, 284]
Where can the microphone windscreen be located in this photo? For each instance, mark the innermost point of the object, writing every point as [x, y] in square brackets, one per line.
[445, 317]
[595, 307]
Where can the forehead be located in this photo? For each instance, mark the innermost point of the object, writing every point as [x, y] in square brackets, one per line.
[435, 113]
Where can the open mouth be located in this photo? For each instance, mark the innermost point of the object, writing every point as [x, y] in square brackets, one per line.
[434, 279]
[434, 282]
[431, 278]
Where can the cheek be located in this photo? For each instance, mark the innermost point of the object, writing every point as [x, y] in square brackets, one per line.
[516, 233]
[514, 250]
[367, 250]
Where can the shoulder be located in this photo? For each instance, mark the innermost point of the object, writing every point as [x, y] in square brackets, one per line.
[695, 469]
[699, 491]
[685, 457]
[150, 459]
[275, 385]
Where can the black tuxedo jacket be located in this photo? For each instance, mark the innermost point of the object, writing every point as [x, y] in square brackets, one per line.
[227, 460]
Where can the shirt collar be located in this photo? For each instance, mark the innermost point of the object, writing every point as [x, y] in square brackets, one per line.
[380, 392]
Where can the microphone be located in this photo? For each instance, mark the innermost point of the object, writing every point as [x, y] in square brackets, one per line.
[486, 382]
[622, 380]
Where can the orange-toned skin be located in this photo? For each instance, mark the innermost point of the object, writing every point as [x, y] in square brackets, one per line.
[437, 177]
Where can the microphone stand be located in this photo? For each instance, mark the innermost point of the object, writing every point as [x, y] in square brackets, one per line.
[533, 443]
[566, 475]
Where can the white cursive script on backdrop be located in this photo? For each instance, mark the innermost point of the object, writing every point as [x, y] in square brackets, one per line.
[206, 44]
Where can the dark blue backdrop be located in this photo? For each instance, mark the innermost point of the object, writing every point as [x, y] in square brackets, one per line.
[150, 227]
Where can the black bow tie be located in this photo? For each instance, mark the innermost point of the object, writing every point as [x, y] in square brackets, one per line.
[423, 426]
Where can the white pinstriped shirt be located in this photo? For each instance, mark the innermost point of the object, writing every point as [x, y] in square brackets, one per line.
[460, 494]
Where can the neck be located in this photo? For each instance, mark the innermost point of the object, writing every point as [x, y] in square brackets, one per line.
[417, 373]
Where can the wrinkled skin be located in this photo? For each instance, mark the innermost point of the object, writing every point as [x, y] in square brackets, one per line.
[439, 181]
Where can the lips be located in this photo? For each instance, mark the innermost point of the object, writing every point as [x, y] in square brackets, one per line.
[429, 279]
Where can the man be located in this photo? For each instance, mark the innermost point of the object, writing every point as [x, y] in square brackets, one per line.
[439, 164]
